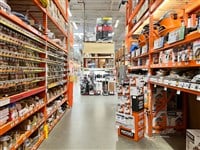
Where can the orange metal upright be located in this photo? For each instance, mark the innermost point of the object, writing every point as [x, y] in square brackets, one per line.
[70, 91]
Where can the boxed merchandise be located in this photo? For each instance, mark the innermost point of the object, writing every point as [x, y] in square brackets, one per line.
[135, 90]
[159, 98]
[144, 49]
[193, 139]
[196, 50]
[138, 52]
[160, 121]
[158, 43]
[174, 118]
[137, 103]
[111, 87]
[165, 56]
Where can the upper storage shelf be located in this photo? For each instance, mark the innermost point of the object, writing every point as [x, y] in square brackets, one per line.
[158, 8]
[36, 14]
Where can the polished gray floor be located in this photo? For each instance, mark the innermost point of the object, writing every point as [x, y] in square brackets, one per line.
[90, 125]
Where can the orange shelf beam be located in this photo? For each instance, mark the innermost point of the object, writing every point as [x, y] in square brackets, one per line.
[57, 25]
[189, 38]
[26, 135]
[49, 16]
[60, 9]
[19, 22]
[176, 88]
[195, 6]
[135, 11]
[137, 67]
[155, 5]
[139, 23]
[28, 93]
[17, 97]
[11, 124]
[192, 63]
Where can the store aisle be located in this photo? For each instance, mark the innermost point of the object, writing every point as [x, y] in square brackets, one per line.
[91, 125]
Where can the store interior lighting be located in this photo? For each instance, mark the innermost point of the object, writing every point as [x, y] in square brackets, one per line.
[75, 26]
[116, 23]
[69, 12]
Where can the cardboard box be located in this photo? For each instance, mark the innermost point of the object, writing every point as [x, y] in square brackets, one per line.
[175, 118]
[160, 122]
[193, 139]
[196, 50]
[111, 86]
[135, 91]
[137, 103]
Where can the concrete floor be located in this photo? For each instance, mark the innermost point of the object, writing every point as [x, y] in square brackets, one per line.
[90, 124]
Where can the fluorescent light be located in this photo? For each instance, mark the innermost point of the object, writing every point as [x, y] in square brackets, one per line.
[69, 12]
[75, 26]
[116, 23]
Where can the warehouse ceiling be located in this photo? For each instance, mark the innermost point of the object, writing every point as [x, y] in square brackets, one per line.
[95, 9]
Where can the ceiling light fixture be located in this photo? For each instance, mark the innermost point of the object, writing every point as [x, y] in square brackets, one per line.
[75, 26]
[69, 12]
[116, 23]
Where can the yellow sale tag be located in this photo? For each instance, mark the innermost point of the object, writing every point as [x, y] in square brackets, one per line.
[46, 131]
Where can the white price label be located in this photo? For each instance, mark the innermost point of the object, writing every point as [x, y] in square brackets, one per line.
[178, 92]
[4, 101]
[165, 88]
[198, 97]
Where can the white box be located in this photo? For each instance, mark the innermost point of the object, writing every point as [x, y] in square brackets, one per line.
[134, 90]
[192, 139]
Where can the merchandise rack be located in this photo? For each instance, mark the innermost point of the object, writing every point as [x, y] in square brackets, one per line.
[44, 77]
[149, 17]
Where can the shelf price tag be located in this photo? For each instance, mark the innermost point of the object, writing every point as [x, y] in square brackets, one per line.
[198, 97]
[178, 92]
[165, 88]
[198, 62]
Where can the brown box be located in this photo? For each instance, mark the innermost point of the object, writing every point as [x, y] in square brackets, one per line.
[111, 86]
